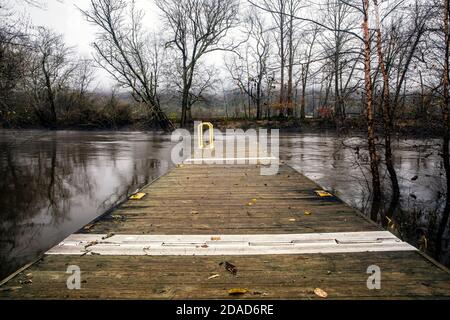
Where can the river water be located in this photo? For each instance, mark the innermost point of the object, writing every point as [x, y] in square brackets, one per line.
[53, 183]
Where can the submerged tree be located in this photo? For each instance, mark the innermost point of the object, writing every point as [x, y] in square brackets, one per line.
[374, 159]
[445, 109]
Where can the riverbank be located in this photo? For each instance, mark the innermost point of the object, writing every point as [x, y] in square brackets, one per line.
[403, 129]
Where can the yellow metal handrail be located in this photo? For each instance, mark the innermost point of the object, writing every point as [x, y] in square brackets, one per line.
[200, 127]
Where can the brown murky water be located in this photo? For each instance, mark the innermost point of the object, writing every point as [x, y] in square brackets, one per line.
[53, 183]
[338, 165]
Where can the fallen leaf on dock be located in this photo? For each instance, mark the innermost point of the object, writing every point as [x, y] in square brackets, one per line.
[213, 276]
[254, 200]
[237, 291]
[323, 193]
[194, 212]
[292, 220]
[231, 268]
[307, 213]
[88, 226]
[250, 203]
[138, 196]
[215, 238]
[320, 293]
[28, 281]
[92, 243]
[109, 235]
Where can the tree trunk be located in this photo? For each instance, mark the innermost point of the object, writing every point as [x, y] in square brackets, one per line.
[446, 130]
[290, 68]
[282, 66]
[376, 185]
[258, 98]
[387, 113]
[50, 96]
[337, 99]
[303, 99]
[162, 119]
[184, 107]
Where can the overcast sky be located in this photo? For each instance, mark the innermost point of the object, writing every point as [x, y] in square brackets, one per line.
[65, 18]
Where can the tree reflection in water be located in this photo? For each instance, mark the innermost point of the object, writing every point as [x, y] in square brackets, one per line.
[54, 183]
[340, 164]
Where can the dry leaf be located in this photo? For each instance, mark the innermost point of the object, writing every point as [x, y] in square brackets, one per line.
[237, 291]
[213, 276]
[307, 213]
[215, 238]
[323, 193]
[320, 293]
[109, 235]
[138, 196]
[231, 268]
[292, 220]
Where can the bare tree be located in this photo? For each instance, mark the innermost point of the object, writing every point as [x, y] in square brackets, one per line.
[341, 48]
[374, 160]
[279, 12]
[203, 81]
[13, 56]
[306, 59]
[249, 74]
[51, 69]
[123, 50]
[197, 28]
[445, 107]
[293, 7]
[387, 113]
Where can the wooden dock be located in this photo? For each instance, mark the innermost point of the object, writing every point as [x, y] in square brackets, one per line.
[202, 230]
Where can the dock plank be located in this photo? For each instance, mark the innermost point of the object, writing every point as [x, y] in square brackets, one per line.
[342, 276]
[196, 199]
[214, 199]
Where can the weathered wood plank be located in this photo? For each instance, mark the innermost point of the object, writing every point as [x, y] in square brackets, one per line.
[342, 276]
[215, 199]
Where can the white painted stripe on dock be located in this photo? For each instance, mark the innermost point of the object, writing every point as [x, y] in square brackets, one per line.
[205, 245]
[231, 159]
